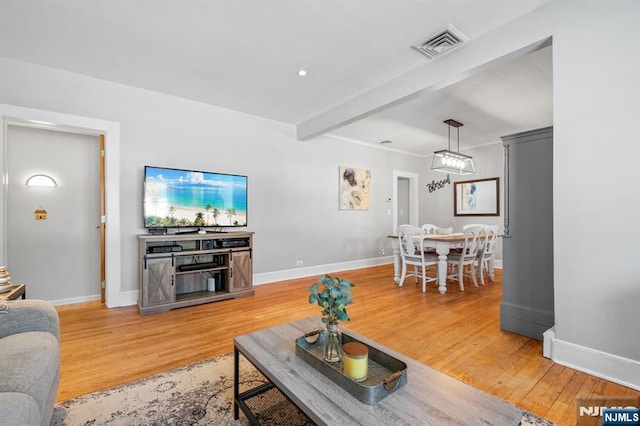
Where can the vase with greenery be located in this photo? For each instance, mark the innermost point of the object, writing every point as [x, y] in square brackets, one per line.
[332, 295]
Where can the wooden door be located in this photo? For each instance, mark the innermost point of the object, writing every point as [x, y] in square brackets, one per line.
[241, 273]
[157, 282]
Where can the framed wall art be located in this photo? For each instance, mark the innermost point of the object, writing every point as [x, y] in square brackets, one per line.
[355, 188]
[477, 197]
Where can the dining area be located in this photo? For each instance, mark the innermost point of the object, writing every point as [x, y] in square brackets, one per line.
[433, 254]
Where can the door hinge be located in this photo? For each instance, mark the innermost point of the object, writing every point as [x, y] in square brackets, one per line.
[103, 219]
[103, 284]
[102, 153]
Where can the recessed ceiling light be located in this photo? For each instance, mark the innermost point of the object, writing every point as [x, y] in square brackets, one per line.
[302, 73]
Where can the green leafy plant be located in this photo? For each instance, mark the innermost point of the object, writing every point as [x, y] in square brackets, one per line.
[332, 295]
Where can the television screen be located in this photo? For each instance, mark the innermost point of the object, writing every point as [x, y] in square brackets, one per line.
[176, 198]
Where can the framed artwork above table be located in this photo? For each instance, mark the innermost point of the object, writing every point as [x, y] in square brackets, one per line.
[477, 197]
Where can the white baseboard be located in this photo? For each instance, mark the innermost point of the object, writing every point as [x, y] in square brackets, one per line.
[72, 300]
[289, 274]
[613, 368]
[129, 298]
[548, 338]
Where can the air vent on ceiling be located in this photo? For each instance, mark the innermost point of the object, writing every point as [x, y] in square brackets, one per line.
[442, 42]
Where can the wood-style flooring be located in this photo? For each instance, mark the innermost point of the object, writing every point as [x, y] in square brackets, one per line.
[457, 333]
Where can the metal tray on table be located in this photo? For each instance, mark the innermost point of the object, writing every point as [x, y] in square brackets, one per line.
[385, 373]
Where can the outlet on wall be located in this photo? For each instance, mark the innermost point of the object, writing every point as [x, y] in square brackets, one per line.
[299, 262]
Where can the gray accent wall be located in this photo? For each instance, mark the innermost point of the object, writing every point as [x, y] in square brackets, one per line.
[527, 261]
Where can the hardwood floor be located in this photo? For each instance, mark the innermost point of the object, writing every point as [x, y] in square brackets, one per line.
[457, 333]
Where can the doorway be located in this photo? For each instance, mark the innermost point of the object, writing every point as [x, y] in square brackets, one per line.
[63, 240]
[405, 196]
[12, 114]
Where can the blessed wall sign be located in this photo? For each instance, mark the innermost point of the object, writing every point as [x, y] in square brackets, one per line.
[435, 185]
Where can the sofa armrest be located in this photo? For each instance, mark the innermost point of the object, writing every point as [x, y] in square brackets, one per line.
[19, 316]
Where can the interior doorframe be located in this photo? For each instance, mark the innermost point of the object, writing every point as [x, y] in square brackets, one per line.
[11, 114]
[413, 197]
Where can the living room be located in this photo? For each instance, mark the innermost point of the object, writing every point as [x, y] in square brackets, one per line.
[293, 183]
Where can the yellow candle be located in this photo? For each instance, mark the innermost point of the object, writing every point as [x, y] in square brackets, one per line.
[355, 361]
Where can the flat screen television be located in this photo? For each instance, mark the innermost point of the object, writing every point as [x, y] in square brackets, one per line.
[175, 198]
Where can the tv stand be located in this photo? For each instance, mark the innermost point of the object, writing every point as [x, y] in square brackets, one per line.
[207, 268]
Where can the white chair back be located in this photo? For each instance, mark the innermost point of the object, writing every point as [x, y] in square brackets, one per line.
[411, 247]
[471, 225]
[487, 251]
[490, 238]
[472, 242]
[430, 228]
[408, 243]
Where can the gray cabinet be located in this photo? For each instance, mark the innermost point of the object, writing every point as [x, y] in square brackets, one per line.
[179, 270]
[527, 306]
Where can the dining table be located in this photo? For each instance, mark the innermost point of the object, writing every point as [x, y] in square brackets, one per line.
[443, 245]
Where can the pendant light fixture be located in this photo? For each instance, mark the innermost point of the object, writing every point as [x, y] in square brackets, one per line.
[448, 161]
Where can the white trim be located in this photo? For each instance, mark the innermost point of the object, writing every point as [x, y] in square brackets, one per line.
[413, 197]
[613, 368]
[548, 337]
[74, 300]
[11, 114]
[288, 274]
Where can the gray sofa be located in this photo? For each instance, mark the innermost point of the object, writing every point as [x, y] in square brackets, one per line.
[29, 362]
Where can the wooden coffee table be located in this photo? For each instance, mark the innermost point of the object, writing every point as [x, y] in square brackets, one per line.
[17, 290]
[429, 397]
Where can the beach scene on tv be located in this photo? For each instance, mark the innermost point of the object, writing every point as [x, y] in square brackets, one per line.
[181, 198]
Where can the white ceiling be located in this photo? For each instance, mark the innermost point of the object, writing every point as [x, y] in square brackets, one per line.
[244, 55]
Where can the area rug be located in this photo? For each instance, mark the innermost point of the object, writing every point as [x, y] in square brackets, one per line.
[199, 394]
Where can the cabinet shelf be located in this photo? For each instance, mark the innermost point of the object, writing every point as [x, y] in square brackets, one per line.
[163, 286]
[195, 271]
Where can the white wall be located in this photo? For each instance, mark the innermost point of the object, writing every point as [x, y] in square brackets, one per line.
[596, 82]
[596, 119]
[293, 186]
[437, 207]
[596, 151]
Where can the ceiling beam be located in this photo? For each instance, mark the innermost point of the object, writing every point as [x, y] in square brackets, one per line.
[496, 47]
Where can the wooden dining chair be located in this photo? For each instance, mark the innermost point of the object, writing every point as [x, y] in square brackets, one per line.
[486, 254]
[468, 256]
[414, 253]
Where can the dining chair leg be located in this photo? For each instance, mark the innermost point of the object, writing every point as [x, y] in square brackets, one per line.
[403, 274]
[472, 268]
[424, 279]
[490, 263]
[480, 268]
[461, 277]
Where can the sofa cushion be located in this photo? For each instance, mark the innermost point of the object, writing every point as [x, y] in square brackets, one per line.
[18, 409]
[30, 364]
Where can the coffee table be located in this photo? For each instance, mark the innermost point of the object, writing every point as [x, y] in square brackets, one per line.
[17, 290]
[429, 397]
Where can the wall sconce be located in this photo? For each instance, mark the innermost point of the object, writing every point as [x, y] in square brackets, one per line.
[41, 180]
